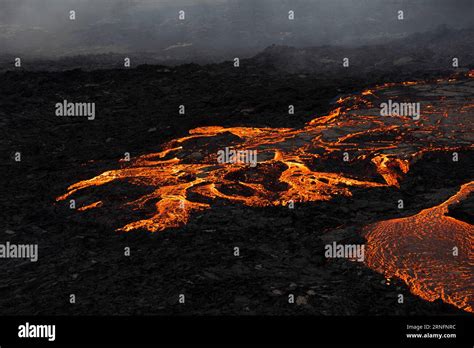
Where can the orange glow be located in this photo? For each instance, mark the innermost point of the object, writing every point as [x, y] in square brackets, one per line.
[90, 206]
[187, 167]
[311, 164]
[419, 250]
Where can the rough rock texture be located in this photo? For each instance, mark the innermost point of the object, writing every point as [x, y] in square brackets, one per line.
[137, 110]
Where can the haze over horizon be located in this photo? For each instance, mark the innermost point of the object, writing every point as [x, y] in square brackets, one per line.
[43, 27]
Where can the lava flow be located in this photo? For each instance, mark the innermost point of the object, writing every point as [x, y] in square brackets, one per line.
[352, 146]
[430, 251]
[186, 176]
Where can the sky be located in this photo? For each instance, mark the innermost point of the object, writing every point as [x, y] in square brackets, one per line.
[43, 27]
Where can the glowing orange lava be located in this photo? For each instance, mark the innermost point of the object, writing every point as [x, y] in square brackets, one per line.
[431, 252]
[188, 165]
[312, 164]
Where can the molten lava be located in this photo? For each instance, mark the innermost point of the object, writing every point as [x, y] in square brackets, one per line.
[188, 166]
[420, 250]
[312, 164]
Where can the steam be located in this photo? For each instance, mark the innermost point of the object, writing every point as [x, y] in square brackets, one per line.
[42, 27]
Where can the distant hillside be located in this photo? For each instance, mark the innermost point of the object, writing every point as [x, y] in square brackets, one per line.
[420, 51]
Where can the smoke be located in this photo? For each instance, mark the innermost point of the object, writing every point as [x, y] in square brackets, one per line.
[43, 27]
